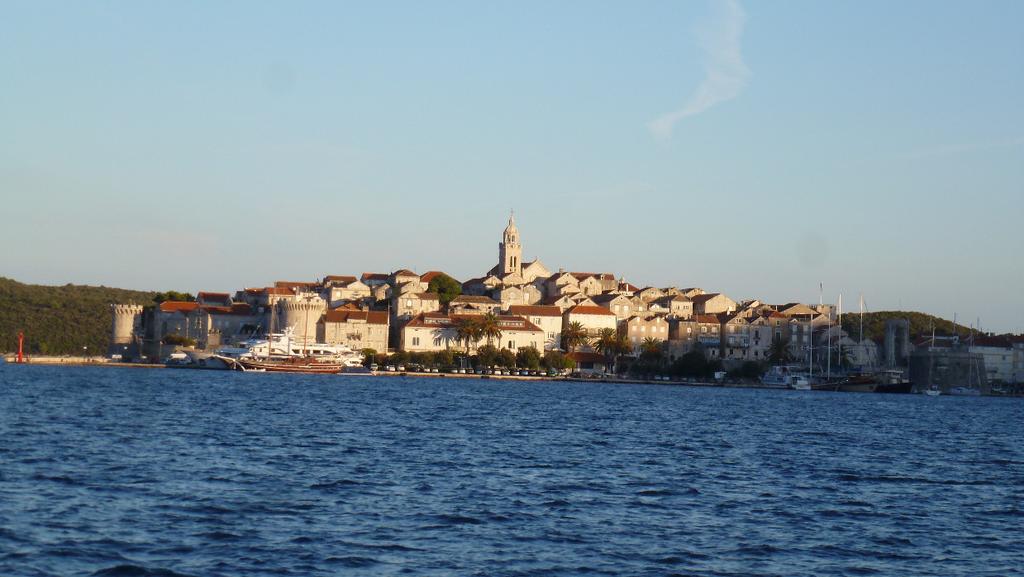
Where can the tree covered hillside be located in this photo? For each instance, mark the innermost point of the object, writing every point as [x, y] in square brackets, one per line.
[920, 324]
[60, 319]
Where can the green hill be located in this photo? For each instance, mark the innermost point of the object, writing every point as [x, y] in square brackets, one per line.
[920, 324]
[61, 319]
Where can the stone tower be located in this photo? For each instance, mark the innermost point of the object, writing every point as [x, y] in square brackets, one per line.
[126, 321]
[302, 316]
[510, 252]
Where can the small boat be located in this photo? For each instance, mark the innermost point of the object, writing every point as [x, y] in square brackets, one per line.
[780, 377]
[801, 382]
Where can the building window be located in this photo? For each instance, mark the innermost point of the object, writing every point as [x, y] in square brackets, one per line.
[511, 344]
[415, 341]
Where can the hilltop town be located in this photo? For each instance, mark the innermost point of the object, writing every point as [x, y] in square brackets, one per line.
[593, 318]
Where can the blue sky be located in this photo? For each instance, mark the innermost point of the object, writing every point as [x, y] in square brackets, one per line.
[756, 148]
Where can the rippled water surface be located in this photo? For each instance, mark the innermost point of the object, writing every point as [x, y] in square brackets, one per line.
[125, 472]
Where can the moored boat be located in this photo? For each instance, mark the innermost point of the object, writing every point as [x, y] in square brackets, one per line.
[307, 365]
[886, 381]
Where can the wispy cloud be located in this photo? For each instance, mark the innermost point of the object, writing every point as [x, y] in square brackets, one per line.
[726, 73]
[968, 147]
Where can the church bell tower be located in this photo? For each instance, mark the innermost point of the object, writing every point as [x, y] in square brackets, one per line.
[510, 252]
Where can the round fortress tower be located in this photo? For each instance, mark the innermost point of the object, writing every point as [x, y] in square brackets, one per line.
[126, 321]
[302, 315]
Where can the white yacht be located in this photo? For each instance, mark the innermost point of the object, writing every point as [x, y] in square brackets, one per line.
[285, 346]
[276, 347]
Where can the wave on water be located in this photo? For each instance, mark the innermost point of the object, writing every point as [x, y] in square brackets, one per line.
[353, 561]
[137, 571]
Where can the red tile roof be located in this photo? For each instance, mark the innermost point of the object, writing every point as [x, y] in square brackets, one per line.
[704, 297]
[590, 310]
[608, 297]
[294, 285]
[535, 310]
[432, 274]
[706, 319]
[339, 278]
[580, 276]
[374, 276]
[235, 309]
[208, 296]
[474, 300]
[178, 306]
[270, 290]
[344, 316]
[506, 323]
[585, 357]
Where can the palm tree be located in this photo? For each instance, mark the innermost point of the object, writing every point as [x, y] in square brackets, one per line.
[652, 354]
[622, 346]
[466, 330]
[651, 348]
[611, 344]
[574, 335]
[489, 327]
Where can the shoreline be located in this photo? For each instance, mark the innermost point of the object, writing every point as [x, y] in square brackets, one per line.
[390, 374]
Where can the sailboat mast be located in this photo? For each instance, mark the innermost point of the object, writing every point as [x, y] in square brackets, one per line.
[270, 304]
[828, 347]
[305, 327]
[860, 339]
[839, 321]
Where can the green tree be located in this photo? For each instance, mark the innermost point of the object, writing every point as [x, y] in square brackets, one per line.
[173, 296]
[528, 358]
[486, 356]
[369, 356]
[574, 335]
[692, 364]
[558, 361]
[445, 287]
[444, 358]
[779, 353]
[652, 349]
[174, 339]
[612, 344]
[506, 358]
[467, 330]
[425, 358]
[66, 318]
[489, 327]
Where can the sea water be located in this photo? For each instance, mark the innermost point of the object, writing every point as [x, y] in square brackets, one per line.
[133, 472]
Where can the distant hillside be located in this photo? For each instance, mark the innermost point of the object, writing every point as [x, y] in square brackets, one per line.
[60, 319]
[920, 324]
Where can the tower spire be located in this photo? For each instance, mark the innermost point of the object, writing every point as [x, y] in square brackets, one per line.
[510, 250]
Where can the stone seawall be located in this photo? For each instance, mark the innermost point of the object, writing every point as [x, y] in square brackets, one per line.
[57, 360]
